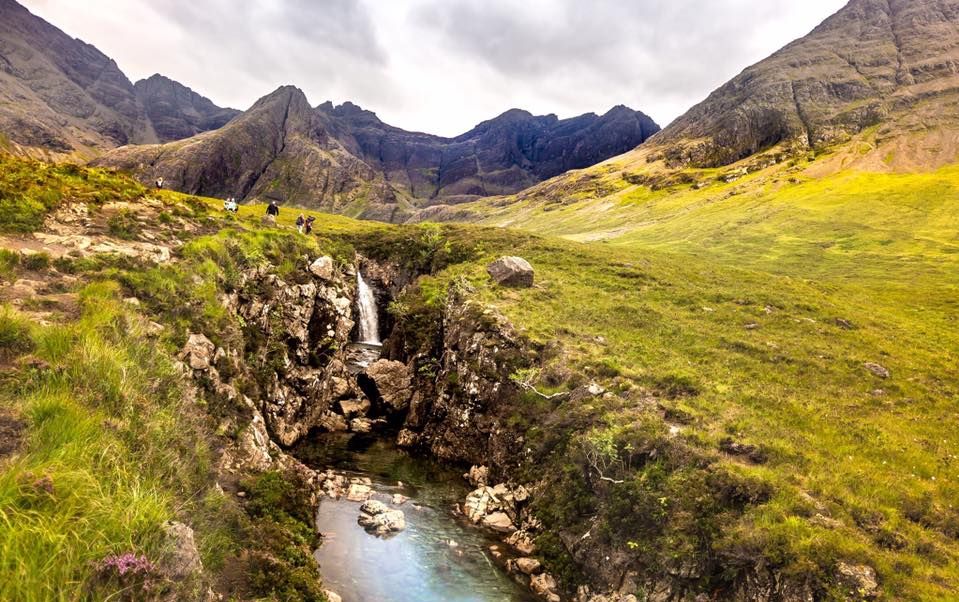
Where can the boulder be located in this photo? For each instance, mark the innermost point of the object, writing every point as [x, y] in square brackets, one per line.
[528, 566]
[322, 268]
[333, 423]
[399, 499]
[393, 383]
[380, 520]
[332, 596]
[198, 352]
[359, 492]
[523, 542]
[544, 586]
[498, 521]
[511, 271]
[268, 220]
[859, 580]
[361, 425]
[477, 476]
[354, 407]
[183, 560]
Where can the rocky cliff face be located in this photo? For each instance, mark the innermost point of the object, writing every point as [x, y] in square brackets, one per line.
[888, 62]
[62, 95]
[176, 111]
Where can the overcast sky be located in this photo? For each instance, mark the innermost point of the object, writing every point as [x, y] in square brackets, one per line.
[442, 66]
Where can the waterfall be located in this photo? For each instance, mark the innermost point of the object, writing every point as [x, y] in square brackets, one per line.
[366, 302]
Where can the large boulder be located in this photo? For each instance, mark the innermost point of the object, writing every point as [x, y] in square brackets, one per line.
[198, 352]
[377, 518]
[322, 268]
[511, 271]
[393, 382]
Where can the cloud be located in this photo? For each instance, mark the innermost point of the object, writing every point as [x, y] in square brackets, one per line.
[444, 65]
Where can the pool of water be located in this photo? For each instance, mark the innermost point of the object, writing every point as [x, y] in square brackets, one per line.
[438, 558]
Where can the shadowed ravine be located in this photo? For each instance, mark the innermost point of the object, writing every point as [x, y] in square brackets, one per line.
[420, 563]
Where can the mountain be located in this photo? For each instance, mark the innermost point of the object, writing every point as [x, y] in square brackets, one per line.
[176, 111]
[345, 159]
[887, 63]
[874, 88]
[61, 95]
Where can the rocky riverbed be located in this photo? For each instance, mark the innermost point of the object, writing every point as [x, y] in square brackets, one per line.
[437, 554]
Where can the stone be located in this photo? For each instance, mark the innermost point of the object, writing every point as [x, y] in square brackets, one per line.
[528, 566]
[183, 560]
[522, 542]
[361, 425]
[333, 423]
[477, 476]
[544, 586]
[198, 352]
[268, 220]
[877, 370]
[332, 596]
[859, 579]
[393, 382]
[380, 520]
[398, 499]
[323, 268]
[354, 407]
[358, 492]
[498, 521]
[406, 438]
[511, 271]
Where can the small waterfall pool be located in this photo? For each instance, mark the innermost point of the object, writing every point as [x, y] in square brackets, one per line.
[418, 563]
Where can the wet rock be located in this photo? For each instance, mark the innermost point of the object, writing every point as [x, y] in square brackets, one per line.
[393, 383]
[198, 352]
[511, 271]
[544, 586]
[332, 596]
[477, 476]
[498, 521]
[354, 407]
[406, 438]
[361, 425]
[333, 423]
[380, 520]
[877, 370]
[528, 566]
[323, 268]
[523, 542]
[359, 492]
[399, 499]
[859, 580]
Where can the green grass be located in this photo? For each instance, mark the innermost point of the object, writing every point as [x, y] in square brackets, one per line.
[29, 190]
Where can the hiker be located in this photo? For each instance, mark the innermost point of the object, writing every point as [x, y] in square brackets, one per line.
[159, 182]
[299, 223]
[230, 205]
[273, 209]
[309, 224]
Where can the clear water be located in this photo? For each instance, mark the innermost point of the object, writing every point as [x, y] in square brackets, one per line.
[369, 327]
[418, 564]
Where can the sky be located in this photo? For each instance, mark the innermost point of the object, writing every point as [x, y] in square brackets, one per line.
[442, 66]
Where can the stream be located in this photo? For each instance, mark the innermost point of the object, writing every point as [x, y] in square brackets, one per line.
[420, 563]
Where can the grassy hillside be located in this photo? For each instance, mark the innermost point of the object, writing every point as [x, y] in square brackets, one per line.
[743, 421]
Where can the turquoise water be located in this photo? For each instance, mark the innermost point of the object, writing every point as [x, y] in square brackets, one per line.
[419, 564]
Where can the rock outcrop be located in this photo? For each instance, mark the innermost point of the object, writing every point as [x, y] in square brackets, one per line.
[176, 111]
[377, 518]
[511, 271]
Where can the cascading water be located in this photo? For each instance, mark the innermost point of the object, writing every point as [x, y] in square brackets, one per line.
[369, 333]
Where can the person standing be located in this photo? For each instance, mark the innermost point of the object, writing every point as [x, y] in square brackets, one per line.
[273, 209]
[159, 183]
[309, 224]
[300, 221]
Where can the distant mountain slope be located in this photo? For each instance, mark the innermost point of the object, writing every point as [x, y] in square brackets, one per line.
[344, 159]
[891, 63]
[502, 155]
[176, 111]
[61, 95]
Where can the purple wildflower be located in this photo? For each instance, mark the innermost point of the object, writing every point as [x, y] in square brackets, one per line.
[128, 563]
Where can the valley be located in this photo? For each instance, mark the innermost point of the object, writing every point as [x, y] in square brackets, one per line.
[570, 360]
